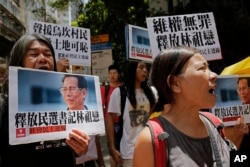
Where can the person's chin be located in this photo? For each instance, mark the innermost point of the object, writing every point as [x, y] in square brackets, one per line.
[246, 102]
[72, 108]
[43, 68]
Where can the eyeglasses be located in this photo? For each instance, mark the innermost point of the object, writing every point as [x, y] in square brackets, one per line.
[242, 89]
[141, 67]
[72, 90]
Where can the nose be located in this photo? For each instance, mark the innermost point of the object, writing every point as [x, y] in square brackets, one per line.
[145, 69]
[67, 92]
[213, 76]
[41, 58]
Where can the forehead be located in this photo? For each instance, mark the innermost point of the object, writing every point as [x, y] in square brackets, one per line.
[141, 64]
[70, 80]
[243, 81]
[197, 57]
[113, 70]
[196, 60]
[37, 44]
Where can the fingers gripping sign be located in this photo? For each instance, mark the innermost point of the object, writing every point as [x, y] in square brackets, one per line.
[78, 141]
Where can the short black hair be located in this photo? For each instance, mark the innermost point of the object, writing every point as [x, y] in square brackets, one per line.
[115, 67]
[247, 78]
[82, 83]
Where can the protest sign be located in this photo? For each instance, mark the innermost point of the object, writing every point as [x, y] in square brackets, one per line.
[233, 98]
[137, 43]
[38, 111]
[195, 30]
[68, 42]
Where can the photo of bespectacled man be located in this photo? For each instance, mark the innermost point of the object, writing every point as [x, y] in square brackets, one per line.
[44, 91]
[232, 90]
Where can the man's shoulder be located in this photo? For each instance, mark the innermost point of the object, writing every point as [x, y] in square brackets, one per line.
[103, 88]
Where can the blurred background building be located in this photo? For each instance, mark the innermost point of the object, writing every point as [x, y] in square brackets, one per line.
[15, 16]
[11, 28]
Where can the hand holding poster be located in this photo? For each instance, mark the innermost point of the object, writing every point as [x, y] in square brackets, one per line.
[47, 105]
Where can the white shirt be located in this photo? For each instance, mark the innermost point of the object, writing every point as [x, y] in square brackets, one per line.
[133, 120]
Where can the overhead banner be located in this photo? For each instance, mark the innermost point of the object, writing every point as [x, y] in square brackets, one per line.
[195, 30]
[39, 105]
[137, 43]
[68, 42]
[233, 98]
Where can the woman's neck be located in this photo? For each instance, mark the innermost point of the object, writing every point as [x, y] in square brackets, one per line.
[188, 122]
[137, 85]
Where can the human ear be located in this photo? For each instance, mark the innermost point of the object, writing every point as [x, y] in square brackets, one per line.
[84, 92]
[175, 85]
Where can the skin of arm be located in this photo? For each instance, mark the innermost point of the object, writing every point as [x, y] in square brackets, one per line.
[110, 134]
[232, 135]
[237, 132]
[143, 152]
[100, 160]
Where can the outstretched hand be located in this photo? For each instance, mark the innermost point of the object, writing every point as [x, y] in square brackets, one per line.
[241, 127]
[78, 141]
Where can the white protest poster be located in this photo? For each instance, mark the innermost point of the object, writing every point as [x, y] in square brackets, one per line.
[39, 108]
[195, 30]
[101, 60]
[137, 43]
[233, 98]
[68, 42]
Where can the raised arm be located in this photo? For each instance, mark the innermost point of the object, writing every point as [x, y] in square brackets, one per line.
[236, 133]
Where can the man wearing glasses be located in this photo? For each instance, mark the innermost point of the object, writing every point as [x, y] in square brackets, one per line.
[243, 89]
[239, 133]
[74, 92]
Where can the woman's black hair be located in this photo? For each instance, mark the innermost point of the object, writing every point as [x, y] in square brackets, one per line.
[168, 63]
[129, 82]
[18, 52]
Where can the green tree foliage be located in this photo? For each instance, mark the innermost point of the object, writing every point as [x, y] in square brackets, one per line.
[94, 17]
[119, 15]
[60, 4]
[111, 17]
[39, 8]
[231, 16]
